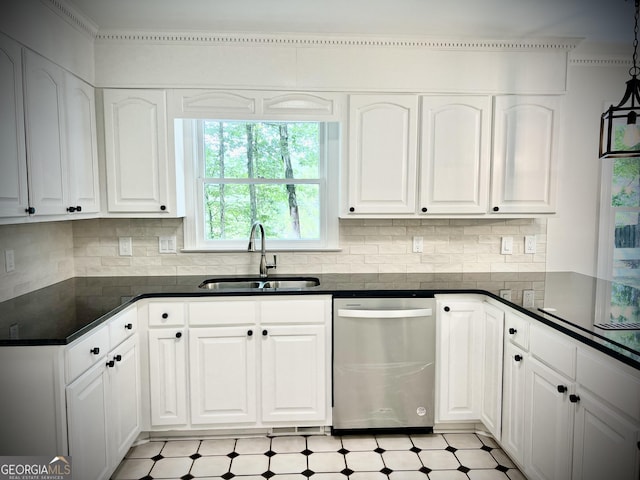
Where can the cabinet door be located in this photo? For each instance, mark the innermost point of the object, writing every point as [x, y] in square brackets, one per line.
[124, 407]
[14, 199]
[605, 444]
[548, 423]
[458, 360]
[87, 424]
[136, 151]
[222, 363]
[45, 133]
[455, 154]
[513, 402]
[382, 154]
[84, 190]
[491, 391]
[293, 373]
[525, 152]
[168, 376]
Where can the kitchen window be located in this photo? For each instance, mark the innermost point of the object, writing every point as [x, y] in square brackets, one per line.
[280, 173]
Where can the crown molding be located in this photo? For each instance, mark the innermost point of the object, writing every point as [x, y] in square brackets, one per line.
[332, 40]
[73, 16]
[586, 60]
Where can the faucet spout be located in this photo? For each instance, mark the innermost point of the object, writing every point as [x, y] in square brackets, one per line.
[264, 266]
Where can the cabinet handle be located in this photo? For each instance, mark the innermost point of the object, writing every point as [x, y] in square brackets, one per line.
[574, 398]
[129, 326]
[250, 333]
[163, 207]
[512, 331]
[165, 315]
[351, 209]
[446, 309]
[178, 334]
[30, 210]
[496, 209]
[71, 209]
[118, 358]
[562, 388]
[111, 364]
[95, 350]
[517, 358]
[424, 209]
[265, 333]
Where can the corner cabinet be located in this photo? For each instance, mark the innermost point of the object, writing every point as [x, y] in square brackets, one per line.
[139, 177]
[525, 153]
[383, 152]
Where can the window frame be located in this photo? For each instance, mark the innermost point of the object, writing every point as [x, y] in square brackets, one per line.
[188, 133]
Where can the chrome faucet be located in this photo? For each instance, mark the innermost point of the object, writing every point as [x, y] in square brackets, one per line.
[264, 266]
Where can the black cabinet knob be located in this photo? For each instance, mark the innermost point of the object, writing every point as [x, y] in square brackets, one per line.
[513, 331]
[424, 209]
[30, 210]
[128, 326]
[78, 208]
[111, 364]
[118, 358]
[165, 315]
[178, 334]
[250, 333]
[95, 350]
[265, 333]
[574, 398]
[562, 389]
[446, 309]
[351, 209]
[496, 209]
[163, 207]
[517, 358]
[71, 209]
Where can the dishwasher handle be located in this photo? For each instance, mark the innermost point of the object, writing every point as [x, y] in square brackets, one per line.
[395, 313]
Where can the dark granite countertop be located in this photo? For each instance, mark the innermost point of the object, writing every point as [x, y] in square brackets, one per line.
[572, 303]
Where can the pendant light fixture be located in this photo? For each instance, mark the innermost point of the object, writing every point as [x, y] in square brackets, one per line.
[619, 125]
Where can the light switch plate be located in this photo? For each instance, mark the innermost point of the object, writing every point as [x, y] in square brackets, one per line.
[125, 248]
[528, 298]
[9, 261]
[506, 294]
[418, 244]
[529, 244]
[167, 244]
[507, 246]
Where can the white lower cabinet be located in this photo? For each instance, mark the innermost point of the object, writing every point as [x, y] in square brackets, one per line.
[513, 402]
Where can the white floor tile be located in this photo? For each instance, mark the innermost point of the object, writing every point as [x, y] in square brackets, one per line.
[171, 467]
[146, 450]
[439, 459]
[288, 463]
[407, 476]
[210, 466]
[429, 442]
[180, 448]
[462, 440]
[447, 475]
[132, 469]
[487, 475]
[367, 476]
[488, 441]
[394, 442]
[223, 446]
[253, 445]
[359, 443]
[318, 443]
[288, 444]
[401, 460]
[502, 458]
[249, 465]
[327, 462]
[515, 475]
[328, 476]
[476, 459]
[364, 461]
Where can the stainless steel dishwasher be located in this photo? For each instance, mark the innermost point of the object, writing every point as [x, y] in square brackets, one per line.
[383, 364]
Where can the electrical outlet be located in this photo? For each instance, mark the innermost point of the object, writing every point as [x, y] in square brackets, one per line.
[418, 244]
[507, 246]
[9, 261]
[529, 244]
[125, 247]
[505, 294]
[528, 298]
[167, 244]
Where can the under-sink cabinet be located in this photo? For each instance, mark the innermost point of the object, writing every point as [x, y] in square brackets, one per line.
[238, 362]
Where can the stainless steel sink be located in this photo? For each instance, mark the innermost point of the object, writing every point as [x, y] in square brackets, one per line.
[260, 283]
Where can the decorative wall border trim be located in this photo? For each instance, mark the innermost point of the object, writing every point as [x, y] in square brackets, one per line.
[73, 16]
[298, 40]
[600, 62]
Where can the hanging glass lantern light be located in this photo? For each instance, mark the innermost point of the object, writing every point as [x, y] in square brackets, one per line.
[619, 128]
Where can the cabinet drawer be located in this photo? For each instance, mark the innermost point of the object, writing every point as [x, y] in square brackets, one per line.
[122, 326]
[550, 348]
[516, 330]
[166, 314]
[607, 380]
[89, 350]
[223, 312]
[294, 310]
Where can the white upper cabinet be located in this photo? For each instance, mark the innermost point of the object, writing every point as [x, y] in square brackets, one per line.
[45, 133]
[14, 199]
[525, 153]
[455, 150]
[82, 151]
[136, 152]
[383, 131]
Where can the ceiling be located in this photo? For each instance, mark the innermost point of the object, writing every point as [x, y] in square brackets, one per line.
[597, 21]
